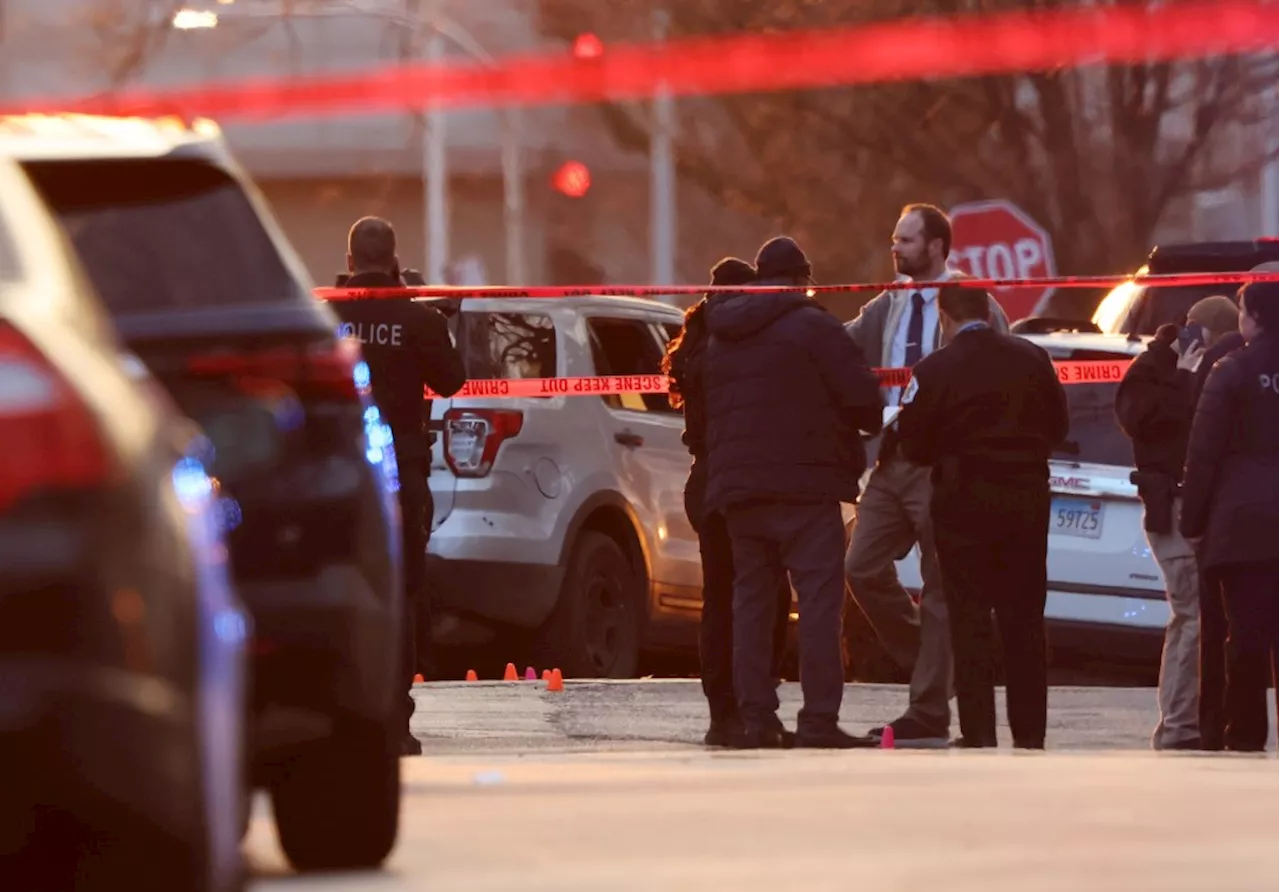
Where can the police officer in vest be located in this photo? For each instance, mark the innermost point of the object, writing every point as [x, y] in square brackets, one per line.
[406, 346]
[984, 413]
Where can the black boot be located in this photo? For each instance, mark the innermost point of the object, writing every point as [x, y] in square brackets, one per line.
[758, 737]
[723, 730]
[832, 737]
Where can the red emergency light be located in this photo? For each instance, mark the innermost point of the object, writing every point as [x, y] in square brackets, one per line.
[573, 179]
[588, 46]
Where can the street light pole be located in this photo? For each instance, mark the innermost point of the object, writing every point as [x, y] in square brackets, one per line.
[513, 196]
[435, 174]
[662, 199]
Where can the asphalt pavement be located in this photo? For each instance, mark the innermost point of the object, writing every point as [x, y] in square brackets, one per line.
[604, 787]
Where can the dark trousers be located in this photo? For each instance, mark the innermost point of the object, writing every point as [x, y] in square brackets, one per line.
[715, 632]
[415, 514]
[806, 541]
[992, 540]
[1213, 662]
[1249, 598]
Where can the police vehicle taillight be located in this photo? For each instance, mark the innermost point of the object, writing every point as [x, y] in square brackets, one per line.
[325, 369]
[51, 439]
[472, 438]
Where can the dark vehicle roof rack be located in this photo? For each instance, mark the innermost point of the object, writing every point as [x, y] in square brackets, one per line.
[1049, 324]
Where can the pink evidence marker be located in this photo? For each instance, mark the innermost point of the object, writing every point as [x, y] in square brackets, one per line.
[886, 739]
[529, 674]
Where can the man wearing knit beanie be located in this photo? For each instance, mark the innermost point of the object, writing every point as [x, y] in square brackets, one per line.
[787, 394]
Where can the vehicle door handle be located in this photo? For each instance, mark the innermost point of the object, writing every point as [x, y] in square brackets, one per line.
[626, 438]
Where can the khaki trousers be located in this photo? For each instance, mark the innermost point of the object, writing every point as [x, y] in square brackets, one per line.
[892, 516]
[1178, 691]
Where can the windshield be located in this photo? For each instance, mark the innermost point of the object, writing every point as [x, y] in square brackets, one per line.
[158, 234]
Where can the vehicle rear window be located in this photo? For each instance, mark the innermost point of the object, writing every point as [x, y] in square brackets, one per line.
[508, 345]
[1095, 434]
[1156, 306]
[166, 233]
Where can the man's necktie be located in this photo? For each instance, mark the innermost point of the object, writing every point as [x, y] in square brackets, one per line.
[915, 330]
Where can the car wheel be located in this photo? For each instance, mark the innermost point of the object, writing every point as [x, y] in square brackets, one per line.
[595, 629]
[337, 802]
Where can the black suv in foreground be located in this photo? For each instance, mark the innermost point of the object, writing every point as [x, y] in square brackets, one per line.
[1132, 309]
[205, 290]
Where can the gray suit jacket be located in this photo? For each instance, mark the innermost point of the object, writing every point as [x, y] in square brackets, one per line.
[878, 320]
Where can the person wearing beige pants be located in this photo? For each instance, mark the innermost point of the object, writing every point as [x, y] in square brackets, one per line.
[1154, 405]
[900, 327]
[1178, 692]
[892, 516]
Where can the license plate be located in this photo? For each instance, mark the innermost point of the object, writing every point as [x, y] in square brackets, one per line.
[1081, 518]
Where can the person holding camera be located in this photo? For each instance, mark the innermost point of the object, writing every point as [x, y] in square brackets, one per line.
[1154, 405]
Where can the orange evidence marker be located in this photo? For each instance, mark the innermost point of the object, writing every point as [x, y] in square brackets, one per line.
[471, 675]
[418, 679]
[510, 674]
[557, 681]
[546, 675]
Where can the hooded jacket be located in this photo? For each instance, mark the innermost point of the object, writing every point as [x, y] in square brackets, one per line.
[787, 392]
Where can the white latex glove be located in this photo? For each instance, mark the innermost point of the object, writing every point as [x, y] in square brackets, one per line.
[1189, 361]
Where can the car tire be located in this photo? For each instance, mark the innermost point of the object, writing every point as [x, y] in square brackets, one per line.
[594, 631]
[337, 802]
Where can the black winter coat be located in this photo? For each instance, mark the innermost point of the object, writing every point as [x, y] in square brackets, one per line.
[1233, 460]
[988, 404]
[787, 392]
[407, 347]
[1154, 408]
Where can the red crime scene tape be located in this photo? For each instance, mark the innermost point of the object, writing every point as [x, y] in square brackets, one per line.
[1083, 372]
[553, 291]
[901, 50]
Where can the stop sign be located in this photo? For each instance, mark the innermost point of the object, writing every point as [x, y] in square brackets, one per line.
[998, 240]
